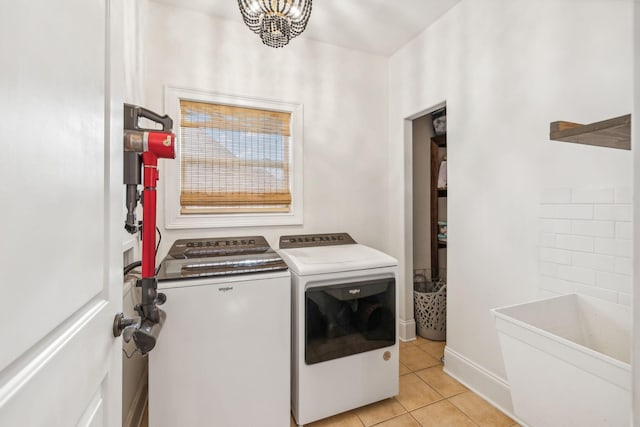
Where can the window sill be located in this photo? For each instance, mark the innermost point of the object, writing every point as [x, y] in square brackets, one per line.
[180, 221]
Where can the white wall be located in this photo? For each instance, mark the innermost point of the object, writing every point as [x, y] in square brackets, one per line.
[585, 243]
[506, 68]
[344, 93]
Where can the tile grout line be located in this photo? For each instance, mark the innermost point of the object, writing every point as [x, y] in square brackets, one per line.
[443, 398]
[414, 418]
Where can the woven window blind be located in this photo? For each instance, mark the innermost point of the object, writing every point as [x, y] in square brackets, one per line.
[233, 159]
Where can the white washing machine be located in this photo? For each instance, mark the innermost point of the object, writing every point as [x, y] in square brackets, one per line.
[223, 355]
[344, 325]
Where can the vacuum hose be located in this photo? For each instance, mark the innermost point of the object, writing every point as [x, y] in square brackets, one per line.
[131, 266]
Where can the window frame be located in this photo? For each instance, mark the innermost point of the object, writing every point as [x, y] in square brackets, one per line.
[171, 176]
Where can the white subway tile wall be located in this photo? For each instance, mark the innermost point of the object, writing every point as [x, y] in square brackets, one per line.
[585, 242]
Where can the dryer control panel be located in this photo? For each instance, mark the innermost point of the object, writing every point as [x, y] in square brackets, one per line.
[309, 240]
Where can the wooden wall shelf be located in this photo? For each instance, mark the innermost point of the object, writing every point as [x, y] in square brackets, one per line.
[438, 197]
[612, 133]
[440, 140]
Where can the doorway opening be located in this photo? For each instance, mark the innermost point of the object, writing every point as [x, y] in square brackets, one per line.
[428, 233]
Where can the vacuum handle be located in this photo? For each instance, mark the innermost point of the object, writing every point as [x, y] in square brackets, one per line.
[132, 114]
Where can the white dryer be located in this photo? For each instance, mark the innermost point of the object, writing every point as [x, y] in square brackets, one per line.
[222, 357]
[344, 324]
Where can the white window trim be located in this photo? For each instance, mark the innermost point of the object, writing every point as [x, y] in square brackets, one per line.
[174, 219]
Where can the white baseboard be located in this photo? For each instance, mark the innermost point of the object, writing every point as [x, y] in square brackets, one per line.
[136, 410]
[485, 384]
[407, 330]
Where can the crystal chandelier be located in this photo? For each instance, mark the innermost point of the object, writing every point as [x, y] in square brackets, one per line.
[276, 21]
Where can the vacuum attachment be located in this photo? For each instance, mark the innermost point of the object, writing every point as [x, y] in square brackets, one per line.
[145, 329]
[144, 334]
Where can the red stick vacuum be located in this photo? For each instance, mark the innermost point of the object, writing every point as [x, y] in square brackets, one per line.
[142, 149]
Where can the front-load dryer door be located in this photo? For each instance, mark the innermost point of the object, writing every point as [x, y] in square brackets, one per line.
[349, 318]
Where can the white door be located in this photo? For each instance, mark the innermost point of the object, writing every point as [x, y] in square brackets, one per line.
[60, 212]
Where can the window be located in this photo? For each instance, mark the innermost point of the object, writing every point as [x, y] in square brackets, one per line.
[233, 159]
[238, 161]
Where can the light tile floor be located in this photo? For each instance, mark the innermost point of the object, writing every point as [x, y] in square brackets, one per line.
[428, 398]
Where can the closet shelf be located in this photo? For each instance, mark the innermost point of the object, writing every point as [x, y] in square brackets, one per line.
[438, 148]
[440, 140]
[612, 133]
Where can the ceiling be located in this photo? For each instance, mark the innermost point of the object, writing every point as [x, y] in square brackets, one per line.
[376, 26]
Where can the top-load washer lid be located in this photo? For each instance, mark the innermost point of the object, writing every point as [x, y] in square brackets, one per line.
[308, 257]
[210, 257]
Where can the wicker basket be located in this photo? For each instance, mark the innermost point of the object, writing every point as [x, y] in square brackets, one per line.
[431, 312]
